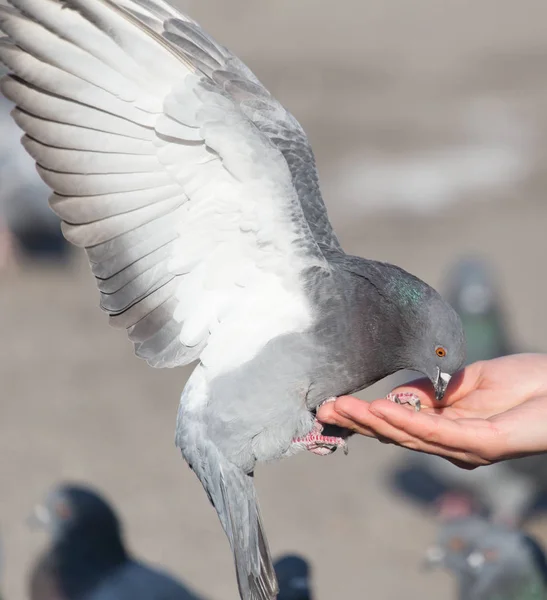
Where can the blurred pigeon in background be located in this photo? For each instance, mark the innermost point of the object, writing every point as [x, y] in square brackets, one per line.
[489, 561]
[294, 578]
[87, 558]
[471, 288]
[507, 491]
[196, 196]
[25, 217]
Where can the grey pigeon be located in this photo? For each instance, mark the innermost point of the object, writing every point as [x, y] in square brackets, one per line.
[472, 289]
[196, 197]
[88, 559]
[294, 578]
[490, 562]
[506, 490]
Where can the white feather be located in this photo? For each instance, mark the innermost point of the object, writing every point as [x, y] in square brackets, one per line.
[105, 132]
[185, 209]
[82, 161]
[84, 209]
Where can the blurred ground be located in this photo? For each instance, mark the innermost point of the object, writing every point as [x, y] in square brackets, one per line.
[383, 80]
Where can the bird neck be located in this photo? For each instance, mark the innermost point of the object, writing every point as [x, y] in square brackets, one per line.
[386, 298]
[530, 589]
[526, 586]
[83, 559]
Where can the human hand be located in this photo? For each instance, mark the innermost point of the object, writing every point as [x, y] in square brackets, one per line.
[492, 410]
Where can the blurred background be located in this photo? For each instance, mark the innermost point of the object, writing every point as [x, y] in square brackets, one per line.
[429, 124]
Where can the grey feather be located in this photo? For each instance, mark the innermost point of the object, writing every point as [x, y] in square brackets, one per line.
[191, 31]
[490, 562]
[274, 121]
[232, 493]
[135, 270]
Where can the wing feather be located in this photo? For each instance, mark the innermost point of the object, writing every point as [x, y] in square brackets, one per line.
[137, 120]
[193, 192]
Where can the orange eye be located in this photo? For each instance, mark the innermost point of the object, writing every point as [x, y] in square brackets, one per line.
[440, 352]
[490, 556]
[456, 544]
[63, 510]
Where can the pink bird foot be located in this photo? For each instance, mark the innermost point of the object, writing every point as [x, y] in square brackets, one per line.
[454, 505]
[405, 398]
[318, 443]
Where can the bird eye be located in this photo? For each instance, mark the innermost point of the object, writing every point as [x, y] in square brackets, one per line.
[456, 544]
[440, 352]
[490, 556]
[62, 510]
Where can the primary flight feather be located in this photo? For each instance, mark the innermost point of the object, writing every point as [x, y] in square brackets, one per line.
[196, 197]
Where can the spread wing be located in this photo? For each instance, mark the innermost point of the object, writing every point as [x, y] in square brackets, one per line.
[192, 190]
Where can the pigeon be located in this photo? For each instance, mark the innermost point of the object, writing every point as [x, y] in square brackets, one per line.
[88, 558]
[196, 197]
[490, 561]
[293, 575]
[506, 491]
[472, 289]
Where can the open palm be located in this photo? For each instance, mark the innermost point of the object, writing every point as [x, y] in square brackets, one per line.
[493, 410]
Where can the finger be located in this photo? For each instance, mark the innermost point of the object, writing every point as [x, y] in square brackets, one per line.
[461, 457]
[476, 436]
[387, 433]
[327, 414]
[356, 415]
[466, 466]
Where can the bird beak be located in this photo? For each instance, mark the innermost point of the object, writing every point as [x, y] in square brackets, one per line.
[476, 560]
[434, 557]
[440, 384]
[39, 518]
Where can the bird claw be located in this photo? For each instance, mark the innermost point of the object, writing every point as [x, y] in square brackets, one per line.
[320, 444]
[406, 398]
[324, 445]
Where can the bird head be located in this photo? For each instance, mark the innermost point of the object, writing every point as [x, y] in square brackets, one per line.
[470, 287]
[73, 510]
[456, 539]
[412, 327]
[489, 560]
[434, 341]
[293, 575]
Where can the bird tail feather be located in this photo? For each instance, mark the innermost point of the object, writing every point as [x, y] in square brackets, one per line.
[232, 493]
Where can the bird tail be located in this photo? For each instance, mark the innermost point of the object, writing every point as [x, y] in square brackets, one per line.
[232, 493]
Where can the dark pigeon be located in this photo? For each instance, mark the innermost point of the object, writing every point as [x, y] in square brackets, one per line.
[87, 558]
[196, 197]
[294, 578]
[508, 491]
[490, 561]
